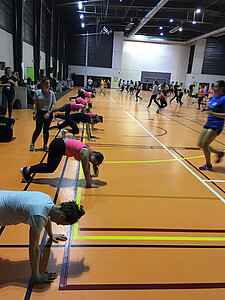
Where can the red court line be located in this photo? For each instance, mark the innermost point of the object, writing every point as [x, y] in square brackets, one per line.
[157, 286]
[154, 230]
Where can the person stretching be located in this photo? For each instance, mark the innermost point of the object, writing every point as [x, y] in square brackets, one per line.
[67, 108]
[72, 121]
[214, 125]
[37, 210]
[68, 147]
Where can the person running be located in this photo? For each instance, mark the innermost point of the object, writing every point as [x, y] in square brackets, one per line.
[154, 95]
[68, 147]
[102, 86]
[175, 91]
[9, 83]
[162, 98]
[180, 93]
[138, 89]
[38, 211]
[122, 86]
[72, 121]
[201, 95]
[213, 126]
[44, 101]
[211, 92]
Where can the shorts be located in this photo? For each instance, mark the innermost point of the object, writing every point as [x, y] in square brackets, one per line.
[217, 130]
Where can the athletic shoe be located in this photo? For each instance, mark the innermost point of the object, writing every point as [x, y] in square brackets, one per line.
[147, 106]
[54, 117]
[45, 148]
[158, 110]
[63, 133]
[26, 177]
[219, 157]
[31, 147]
[206, 167]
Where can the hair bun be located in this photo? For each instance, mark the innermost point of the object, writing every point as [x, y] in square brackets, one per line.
[81, 212]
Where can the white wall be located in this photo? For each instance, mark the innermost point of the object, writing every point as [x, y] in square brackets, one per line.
[28, 57]
[6, 50]
[107, 72]
[42, 61]
[196, 75]
[153, 57]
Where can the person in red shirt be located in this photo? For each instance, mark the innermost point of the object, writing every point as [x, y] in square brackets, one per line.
[201, 95]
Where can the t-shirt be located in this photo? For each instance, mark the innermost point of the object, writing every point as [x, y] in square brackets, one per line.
[80, 118]
[154, 91]
[44, 101]
[164, 93]
[6, 131]
[76, 107]
[73, 148]
[25, 207]
[8, 89]
[216, 105]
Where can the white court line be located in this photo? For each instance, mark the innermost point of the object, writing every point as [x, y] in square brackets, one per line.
[112, 98]
[215, 180]
[180, 161]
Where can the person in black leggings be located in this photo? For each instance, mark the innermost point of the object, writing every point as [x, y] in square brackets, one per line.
[42, 112]
[57, 149]
[138, 91]
[72, 121]
[175, 91]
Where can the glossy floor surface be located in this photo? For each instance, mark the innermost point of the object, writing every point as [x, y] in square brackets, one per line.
[153, 229]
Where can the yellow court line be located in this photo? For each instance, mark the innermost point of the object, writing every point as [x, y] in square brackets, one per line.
[149, 161]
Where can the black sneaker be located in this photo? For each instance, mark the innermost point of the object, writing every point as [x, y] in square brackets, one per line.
[26, 177]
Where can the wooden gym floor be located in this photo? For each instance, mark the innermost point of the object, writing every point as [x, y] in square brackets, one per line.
[154, 229]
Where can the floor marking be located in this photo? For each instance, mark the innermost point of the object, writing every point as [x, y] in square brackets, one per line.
[179, 160]
[152, 238]
[112, 98]
[215, 180]
[150, 196]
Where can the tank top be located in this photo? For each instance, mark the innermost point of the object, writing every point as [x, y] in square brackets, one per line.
[76, 107]
[73, 148]
[90, 114]
[87, 94]
[82, 101]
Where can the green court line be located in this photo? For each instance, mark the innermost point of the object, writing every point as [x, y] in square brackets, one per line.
[149, 196]
[151, 238]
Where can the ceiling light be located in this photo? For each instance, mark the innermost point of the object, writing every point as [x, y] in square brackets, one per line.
[161, 33]
[181, 29]
[198, 11]
[80, 5]
[82, 25]
[160, 27]
[194, 22]
[81, 16]
[171, 20]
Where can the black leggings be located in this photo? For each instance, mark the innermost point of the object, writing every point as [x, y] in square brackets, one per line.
[57, 149]
[200, 99]
[40, 121]
[179, 97]
[68, 122]
[137, 94]
[153, 97]
[8, 99]
[163, 104]
[66, 108]
[175, 96]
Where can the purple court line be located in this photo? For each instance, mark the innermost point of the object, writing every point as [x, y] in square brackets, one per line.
[156, 286]
[67, 250]
[154, 230]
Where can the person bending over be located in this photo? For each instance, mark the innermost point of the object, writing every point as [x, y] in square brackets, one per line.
[68, 147]
[72, 121]
[6, 126]
[214, 125]
[67, 108]
[37, 210]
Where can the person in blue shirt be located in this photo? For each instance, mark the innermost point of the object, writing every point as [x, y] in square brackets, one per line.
[214, 125]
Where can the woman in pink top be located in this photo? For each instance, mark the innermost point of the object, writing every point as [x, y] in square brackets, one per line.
[67, 108]
[60, 147]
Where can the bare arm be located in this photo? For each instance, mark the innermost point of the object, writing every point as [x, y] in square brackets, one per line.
[34, 253]
[54, 237]
[86, 166]
[4, 84]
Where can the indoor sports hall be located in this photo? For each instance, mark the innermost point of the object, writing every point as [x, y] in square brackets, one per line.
[154, 225]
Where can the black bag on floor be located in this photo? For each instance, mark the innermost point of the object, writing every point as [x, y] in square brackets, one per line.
[17, 104]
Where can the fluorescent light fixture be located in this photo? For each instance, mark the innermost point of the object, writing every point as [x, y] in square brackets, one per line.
[181, 29]
[198, 11]
[130, 25]
[80, 5]
[194, 22]
[171, 20]
[161, 33]
[82, 25]
[81, 16]
[160, 27]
